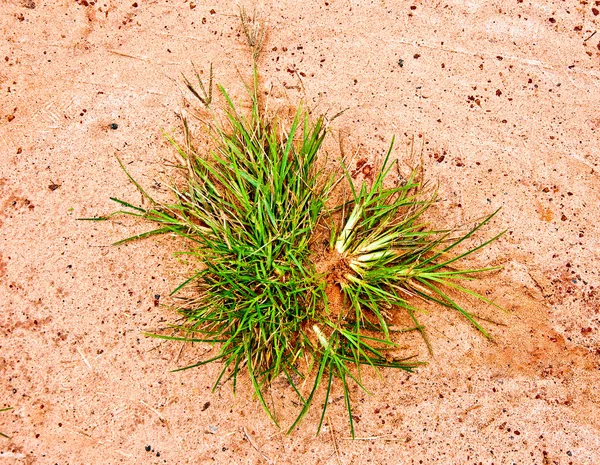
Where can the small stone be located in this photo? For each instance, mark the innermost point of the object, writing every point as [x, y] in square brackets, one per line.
[114, 126]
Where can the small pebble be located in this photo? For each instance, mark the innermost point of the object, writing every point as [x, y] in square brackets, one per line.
[148, 448]
[114, 126]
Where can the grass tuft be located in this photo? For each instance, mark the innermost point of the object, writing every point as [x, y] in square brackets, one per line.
[256, 211]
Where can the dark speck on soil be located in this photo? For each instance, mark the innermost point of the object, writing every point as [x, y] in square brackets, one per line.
[114, 126]
[148, 448]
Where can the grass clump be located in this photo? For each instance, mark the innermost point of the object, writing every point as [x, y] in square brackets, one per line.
[287, 284]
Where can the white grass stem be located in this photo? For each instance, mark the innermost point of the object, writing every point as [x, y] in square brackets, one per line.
[342, 243]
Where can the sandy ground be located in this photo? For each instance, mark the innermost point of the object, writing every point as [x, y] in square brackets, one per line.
[505, 96]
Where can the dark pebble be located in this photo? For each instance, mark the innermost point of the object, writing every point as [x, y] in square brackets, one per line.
[114, 126]
[148, 448]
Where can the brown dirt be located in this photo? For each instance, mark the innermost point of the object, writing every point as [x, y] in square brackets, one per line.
[332, 266]
[504, 97]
